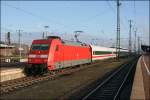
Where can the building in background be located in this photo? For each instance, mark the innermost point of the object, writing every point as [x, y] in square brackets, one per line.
[6, 50]
[10, 52]
[145, 49]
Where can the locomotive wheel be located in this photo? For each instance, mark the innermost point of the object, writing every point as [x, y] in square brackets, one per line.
[28, 71]
[38, 70]
[41, 70]
[35, 70]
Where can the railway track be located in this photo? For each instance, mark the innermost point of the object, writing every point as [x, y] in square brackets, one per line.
[111, 87]
[12, 85]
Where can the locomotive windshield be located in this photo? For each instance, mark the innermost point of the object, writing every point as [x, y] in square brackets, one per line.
[39, 47]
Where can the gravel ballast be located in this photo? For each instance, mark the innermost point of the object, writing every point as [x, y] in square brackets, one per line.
[65, 85]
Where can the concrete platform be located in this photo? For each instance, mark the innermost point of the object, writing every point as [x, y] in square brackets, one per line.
[138, 92]
[145, 64]
[10, 73]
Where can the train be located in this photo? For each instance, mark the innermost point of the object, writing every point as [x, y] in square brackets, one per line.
[53, 53]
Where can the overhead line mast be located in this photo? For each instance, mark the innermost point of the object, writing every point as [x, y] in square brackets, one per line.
[118, 31]
[139, 45]
[135, 40]
[19, 42]
[130, 43]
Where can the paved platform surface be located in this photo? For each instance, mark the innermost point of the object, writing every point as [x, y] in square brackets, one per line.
[145, 64]
[141, 84]
[9, 73]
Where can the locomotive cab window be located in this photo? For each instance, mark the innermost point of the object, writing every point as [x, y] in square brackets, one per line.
[39, 47]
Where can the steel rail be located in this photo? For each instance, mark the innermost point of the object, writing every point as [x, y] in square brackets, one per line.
[107, 82]
[124, 81]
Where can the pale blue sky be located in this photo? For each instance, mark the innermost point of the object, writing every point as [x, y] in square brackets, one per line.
[95, 18]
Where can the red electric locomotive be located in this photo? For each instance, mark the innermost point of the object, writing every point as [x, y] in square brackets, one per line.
[53, 53]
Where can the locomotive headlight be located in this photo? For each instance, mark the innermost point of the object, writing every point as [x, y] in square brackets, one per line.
[43, 56]
[38, 56]
[32, 56]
